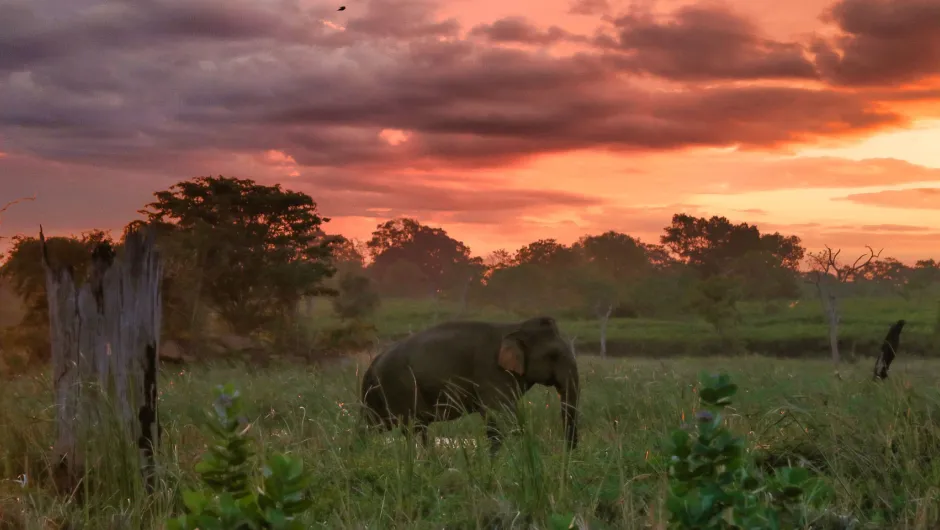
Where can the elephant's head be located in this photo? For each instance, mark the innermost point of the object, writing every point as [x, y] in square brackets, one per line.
[535, 351]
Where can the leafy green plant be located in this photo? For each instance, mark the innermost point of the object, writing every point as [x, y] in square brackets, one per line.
[230, 499]
[714, 483]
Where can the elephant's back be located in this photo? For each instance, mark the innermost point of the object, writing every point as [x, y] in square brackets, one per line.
[443, 354]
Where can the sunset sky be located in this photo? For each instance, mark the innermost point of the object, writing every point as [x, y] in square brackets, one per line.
[502, 122]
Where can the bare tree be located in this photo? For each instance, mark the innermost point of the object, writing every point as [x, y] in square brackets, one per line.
[603, 312]
[603, 295]
[828, 275]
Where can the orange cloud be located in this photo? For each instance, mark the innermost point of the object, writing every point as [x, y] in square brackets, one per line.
[394, 136]
[920, 198]
[281, 162]
[895, 228]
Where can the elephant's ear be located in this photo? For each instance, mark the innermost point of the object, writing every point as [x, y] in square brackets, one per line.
[511, 357]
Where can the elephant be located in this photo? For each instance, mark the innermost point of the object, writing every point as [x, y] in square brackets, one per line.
[461, 367]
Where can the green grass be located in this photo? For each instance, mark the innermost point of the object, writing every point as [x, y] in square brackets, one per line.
[876, 445]
[773, 328]
[804, 319]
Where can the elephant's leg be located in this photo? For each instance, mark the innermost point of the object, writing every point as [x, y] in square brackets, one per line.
[417, 428]
[420, 419]
[491, 405]
[420, 429]
[493, 433]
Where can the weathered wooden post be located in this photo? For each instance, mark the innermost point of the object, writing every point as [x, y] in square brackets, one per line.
[105, 337]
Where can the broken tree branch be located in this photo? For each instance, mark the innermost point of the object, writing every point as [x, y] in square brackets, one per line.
[7, 206]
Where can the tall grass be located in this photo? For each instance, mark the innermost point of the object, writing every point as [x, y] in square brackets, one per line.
[877, 445]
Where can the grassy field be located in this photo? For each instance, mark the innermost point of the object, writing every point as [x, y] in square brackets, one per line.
[876, 445]
[795, 329]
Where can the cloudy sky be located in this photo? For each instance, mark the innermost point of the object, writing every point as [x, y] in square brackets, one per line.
[501, 121]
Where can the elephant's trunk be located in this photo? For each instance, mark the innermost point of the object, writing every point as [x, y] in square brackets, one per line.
[568, 390]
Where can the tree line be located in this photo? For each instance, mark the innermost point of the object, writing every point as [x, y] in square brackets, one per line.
[249, 255]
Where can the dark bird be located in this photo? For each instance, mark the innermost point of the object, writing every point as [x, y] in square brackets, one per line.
[889, 349]
[342, 8]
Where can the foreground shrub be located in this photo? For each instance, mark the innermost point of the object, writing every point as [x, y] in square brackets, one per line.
[715, 484]
[230, 499]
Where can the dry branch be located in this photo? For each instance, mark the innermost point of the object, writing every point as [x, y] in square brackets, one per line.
[11, 203]
[15, 201]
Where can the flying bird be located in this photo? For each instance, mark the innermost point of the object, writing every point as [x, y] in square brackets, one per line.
[342, 8]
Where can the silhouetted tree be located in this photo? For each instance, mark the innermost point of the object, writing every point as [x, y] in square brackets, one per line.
[498, 259]
[349, 253]
[619, 256]
[444, 265]
[659, 257]
[923, 279]
[550, 267]
[761, 276]
[884, 276]
[258, 248]
[547, 253]
[525, 288]
[716, 246]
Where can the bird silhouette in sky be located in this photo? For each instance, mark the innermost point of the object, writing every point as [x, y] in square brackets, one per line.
[342, 8]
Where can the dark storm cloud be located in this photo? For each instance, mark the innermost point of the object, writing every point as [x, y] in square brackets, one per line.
[158, 83]
[883, 42]
[401, 19]
[42, 30]
[520, 29]
[703, 43]
[589, 7]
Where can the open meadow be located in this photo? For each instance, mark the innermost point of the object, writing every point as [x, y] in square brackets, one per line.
[779, 328]
[877, 447]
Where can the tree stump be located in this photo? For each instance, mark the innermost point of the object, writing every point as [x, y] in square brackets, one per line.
[105, 337]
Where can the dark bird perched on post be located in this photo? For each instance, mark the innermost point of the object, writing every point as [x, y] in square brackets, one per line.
[342, 8]
[888, 350]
